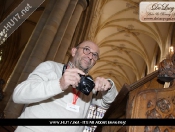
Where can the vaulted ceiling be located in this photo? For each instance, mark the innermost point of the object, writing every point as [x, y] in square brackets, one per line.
[129, 48]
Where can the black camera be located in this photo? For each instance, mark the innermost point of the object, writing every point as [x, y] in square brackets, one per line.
[86, 83]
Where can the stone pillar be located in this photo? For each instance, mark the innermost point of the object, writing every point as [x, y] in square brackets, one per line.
[76, 35]
[40, 50]
[46, 38]
[61, 31]
[65, 43]
[13, 80]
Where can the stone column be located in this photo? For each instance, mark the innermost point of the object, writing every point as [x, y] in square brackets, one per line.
[13, 80]
[61, 31]
[46, 38]
[65, 43]
[40, 50]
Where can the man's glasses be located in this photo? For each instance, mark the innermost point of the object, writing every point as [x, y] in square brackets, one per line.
[87, 51]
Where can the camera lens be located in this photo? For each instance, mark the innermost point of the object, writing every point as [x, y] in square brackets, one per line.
[86, 84]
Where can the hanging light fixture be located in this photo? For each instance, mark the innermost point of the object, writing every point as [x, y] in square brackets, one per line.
[171, 50]
[155, 67]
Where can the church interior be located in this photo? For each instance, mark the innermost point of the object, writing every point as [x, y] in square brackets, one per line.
[136, 55]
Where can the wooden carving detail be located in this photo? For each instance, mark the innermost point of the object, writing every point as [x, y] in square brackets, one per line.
[153, 114]
[163, 105]
[154, 104]
[147, 129]
[157, 129]
[170, 116]
[166, 130]
[164, 109]
[154, 129]
[150, 104]
[167, 69]
[173, 100]
[172, 127]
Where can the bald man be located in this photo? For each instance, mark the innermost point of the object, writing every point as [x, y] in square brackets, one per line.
[52, 94]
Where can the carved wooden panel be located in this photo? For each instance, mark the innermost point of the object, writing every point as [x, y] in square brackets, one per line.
[153, 103]
[152, 84]
[122, 106]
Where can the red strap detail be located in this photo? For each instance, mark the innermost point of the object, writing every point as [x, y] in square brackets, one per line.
[75, 95]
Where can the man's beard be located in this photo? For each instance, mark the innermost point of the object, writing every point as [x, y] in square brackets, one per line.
[85, 70]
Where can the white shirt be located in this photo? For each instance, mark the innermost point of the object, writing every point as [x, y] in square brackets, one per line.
[42, 92]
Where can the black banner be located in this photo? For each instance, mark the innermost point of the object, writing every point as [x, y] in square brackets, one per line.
[87, 122]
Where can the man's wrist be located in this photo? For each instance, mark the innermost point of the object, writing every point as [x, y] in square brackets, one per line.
[111, 83]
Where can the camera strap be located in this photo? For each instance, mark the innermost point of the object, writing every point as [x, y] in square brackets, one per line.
[76, 95]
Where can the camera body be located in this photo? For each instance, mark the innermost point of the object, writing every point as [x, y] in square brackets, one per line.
[86, 83]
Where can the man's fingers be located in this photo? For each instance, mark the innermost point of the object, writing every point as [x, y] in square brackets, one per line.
[75, 70]
[97, 84]
[72, 77]
[101, 84]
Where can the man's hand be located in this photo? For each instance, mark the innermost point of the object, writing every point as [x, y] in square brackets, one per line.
[70, 77]
[102, 84]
